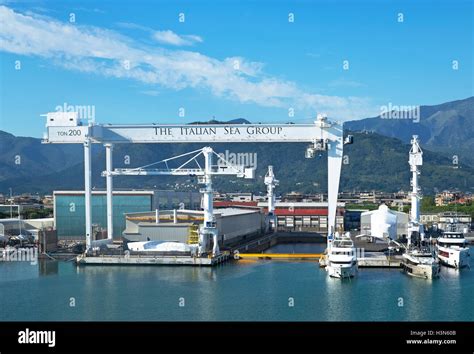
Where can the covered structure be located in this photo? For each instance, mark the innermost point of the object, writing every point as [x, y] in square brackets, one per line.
[384, 223]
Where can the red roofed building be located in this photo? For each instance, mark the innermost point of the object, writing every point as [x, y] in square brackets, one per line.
[295, 216]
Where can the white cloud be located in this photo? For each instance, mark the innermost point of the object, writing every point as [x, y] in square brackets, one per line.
[345, 83]
[131, 25]
[169, 37]
[86, 9]
[165, 37]
[108, 53]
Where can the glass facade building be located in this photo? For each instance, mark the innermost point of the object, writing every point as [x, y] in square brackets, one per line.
[70, 214]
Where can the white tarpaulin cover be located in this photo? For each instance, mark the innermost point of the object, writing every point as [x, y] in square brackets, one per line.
[383, 222]
[159, 246]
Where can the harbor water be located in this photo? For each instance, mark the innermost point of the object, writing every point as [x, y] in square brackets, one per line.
[263, 290]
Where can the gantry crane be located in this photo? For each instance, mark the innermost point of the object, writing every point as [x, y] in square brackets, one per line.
[208, 230]
[68, 128]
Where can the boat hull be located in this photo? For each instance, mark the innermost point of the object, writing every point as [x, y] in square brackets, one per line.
[341, 272]
[421, 270]
[454, 258]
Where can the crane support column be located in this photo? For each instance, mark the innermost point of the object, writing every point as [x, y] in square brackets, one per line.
[334, 173]
[209, 229]
[87, 191]
[335, 152]
[109, 181]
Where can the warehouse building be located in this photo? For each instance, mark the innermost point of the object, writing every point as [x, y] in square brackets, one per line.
[233, 225]
[306, 216]
[443, 219]
[296, 216]
[352, 219]
[69, 209]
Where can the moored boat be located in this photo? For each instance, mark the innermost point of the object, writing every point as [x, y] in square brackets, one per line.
[452, 248]
[341, 259]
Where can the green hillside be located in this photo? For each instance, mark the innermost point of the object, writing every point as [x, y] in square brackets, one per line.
[374, 162]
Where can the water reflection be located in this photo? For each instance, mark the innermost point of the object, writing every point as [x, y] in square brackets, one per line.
[48, 267]
[304, 247]
[162, 273]
[338, 297]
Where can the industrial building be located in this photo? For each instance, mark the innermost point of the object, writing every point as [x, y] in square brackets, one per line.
[27, 227]
[441, 220]
[29, 231]
[296, 216]
[233, 225]
[306, 216]
[352, 219]
[69, 210]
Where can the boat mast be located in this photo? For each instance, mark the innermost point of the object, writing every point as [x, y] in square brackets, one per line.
[415, 160]
[271, 182]
[209, 228]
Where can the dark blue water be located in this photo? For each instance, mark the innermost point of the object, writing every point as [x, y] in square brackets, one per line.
[242, 291]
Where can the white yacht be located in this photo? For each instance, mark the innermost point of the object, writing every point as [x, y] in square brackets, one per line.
[341, 259]
[452, 248]
[419, 262]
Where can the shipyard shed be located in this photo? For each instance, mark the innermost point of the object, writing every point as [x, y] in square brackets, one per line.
[296, 216]
[384, 222]
[233, 225]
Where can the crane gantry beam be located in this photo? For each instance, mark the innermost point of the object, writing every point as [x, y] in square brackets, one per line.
[67, 128]
[223, 168]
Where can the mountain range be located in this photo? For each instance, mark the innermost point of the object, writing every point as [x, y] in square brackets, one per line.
[378, 159]
[447, 128]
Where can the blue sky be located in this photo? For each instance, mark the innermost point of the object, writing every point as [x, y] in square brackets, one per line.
[135, 62]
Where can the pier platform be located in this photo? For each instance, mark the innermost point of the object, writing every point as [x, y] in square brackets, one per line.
[379, 260]
[152, 260]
